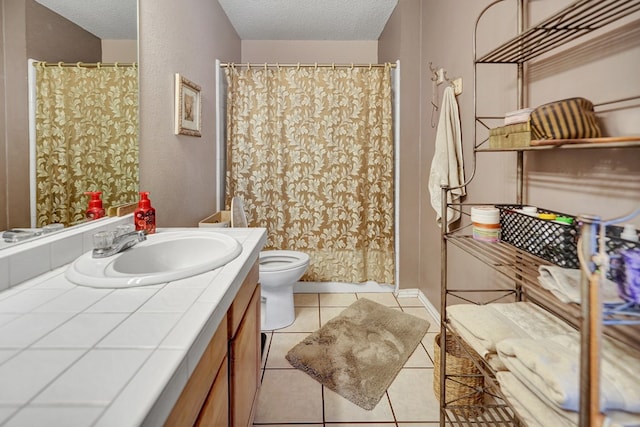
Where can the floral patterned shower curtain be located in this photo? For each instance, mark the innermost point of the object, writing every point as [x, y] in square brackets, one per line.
[310, 151]
[86, 138]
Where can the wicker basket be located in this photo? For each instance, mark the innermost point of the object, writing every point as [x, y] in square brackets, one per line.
[464, 391]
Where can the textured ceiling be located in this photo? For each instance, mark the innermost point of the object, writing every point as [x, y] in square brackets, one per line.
[252, 19]
[308, 19]
[111, 20]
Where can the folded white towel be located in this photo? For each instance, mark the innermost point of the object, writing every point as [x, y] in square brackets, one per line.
[550, 368]
[483, 326]
[536, 413]
[564, 283]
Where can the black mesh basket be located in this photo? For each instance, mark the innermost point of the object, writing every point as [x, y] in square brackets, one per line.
[557, 242]
[549, 240]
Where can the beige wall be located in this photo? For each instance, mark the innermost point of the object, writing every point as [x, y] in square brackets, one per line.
[119, 51]
[31, 31]
[606, 182]
[310, 51]
[179, 171]
[400, 41]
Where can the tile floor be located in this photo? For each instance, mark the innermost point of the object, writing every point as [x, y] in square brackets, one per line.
[289, 397]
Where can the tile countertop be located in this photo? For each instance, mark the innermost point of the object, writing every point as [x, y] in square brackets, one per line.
[79, 356]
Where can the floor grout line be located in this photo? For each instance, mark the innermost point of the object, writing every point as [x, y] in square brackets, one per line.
[347, 420]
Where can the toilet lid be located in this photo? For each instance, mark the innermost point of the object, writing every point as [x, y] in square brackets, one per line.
[282, 260]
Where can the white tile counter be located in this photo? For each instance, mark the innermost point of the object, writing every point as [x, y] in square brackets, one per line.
[78, 356]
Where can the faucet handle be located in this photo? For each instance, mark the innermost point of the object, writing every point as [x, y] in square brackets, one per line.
[124, 229]
[103, 239]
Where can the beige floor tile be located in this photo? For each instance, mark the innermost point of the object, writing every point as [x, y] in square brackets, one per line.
[337, 300]
[384, 298]
[412, 397]
[281, 343]
[422, 313]
[307, 320]
[339, 409]
[305, 300]
[291, 425]
[418, 424]
[328, 313]
[363, 425]
[267, 343]
[410, 302]
[428, 342]
[419, 359]
[289, 396]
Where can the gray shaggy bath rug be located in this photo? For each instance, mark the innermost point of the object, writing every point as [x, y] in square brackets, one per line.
[359, 353]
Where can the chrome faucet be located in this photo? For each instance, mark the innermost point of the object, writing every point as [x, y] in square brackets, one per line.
[119, 244]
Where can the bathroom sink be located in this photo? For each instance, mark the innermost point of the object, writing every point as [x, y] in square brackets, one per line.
[163, 257]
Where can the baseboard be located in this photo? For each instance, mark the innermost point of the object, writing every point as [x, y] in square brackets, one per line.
[417, 293]
[337, 287]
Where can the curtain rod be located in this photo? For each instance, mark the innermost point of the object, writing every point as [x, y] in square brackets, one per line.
[314, 65]
[84, 64]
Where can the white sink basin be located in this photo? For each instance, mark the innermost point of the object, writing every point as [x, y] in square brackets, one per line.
[161, 258]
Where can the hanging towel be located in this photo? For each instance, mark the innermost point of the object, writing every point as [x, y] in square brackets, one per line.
[447, 166]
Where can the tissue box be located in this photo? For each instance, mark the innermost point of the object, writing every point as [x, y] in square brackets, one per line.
[510, 136]
[218, 219]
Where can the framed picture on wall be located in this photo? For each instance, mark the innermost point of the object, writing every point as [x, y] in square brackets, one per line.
[187, 107]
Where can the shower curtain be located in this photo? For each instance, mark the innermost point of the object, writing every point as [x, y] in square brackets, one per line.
[86, 138]
[310, 150]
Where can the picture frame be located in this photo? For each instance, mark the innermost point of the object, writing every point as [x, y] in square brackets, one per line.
[187, 107]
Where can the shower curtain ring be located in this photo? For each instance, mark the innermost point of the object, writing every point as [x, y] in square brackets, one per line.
[298, 67]
[79, 64]
[115, 64]
[60, 64]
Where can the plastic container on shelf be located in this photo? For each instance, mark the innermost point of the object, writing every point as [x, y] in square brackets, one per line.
[486, 223]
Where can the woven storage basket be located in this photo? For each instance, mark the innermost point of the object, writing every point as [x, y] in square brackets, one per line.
[510, 136]
[465, 389]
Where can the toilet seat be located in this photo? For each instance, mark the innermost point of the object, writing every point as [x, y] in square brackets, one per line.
[272, 261]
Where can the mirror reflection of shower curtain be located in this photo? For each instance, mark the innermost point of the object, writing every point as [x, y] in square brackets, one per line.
[86, 127]
[310, 150]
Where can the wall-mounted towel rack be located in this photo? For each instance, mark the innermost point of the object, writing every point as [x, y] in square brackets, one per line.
[439, 76]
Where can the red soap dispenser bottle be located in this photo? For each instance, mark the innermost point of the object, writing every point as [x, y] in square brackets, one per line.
[95, 209]
[145, 215]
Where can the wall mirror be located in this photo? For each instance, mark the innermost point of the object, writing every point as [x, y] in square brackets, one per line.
[92, 35]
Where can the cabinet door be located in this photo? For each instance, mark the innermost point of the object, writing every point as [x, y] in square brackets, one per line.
[186, 410]
[244, 351]
[215, 411]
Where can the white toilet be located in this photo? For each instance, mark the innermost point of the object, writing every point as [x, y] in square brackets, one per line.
[279, 271]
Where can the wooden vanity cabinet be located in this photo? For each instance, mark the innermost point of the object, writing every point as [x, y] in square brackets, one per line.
[244, 365]
[223, 389]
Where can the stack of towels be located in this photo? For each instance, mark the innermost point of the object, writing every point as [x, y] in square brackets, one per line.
[518, 116]
[536, 357]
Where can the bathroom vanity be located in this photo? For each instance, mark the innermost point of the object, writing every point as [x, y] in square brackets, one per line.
[181, 353]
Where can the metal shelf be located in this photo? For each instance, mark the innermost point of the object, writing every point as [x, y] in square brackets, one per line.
[561, 145]
[574, 21]
[522, 268]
